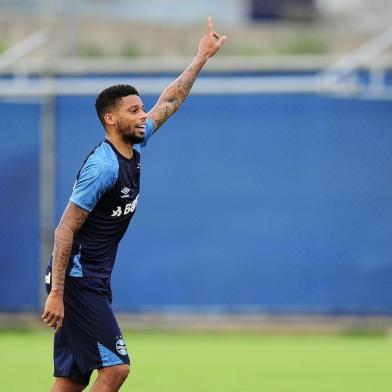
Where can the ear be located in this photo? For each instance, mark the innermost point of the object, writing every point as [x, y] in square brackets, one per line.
[109, 119]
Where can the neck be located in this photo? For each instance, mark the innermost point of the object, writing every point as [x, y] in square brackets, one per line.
[125, 149]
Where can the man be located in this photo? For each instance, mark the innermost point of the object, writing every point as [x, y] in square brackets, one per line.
[102, 203]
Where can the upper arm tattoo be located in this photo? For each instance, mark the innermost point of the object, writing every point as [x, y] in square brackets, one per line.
[175, 94]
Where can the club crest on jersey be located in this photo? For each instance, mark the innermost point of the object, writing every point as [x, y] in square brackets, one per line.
[130, 207]
[121, 347]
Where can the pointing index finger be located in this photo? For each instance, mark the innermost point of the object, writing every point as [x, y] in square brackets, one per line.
[210, 24]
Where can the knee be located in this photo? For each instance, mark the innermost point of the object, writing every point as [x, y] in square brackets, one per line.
[65, 384]
[116, 375]
[122, 372]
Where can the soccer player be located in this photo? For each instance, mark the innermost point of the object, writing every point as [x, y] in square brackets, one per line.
[102, 203]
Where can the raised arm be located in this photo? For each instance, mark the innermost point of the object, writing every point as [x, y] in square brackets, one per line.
[71, 221]
[174, 95]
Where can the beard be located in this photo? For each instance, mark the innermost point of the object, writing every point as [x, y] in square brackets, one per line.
[128, 134]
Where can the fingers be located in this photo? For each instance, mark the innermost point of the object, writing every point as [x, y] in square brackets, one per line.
[209, 23]
[53, 323]
[47, 317]
[214, 34]
[53, 320]
[58, 326]
[221, 40]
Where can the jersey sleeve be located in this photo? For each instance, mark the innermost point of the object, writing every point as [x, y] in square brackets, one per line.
[94, 180]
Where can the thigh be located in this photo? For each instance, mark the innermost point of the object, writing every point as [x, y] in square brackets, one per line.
[65, 365]
[90, 326]
[66, 368]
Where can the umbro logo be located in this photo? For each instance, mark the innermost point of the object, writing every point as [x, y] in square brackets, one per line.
[125, 193]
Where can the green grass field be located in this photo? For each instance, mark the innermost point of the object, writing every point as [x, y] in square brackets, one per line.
[171, 362]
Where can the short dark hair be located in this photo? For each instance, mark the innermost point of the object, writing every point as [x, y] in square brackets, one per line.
[110, 97]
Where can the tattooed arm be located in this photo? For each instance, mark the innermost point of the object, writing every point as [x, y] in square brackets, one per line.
[71, 221]
[174, 95]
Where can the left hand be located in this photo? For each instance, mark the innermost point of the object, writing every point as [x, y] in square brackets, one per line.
[211, 42]
[54, 311]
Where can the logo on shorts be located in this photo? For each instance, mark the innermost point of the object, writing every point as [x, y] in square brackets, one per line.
[121, 347]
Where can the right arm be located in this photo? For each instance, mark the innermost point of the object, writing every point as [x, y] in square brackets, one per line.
[175, 94]
[71, 221]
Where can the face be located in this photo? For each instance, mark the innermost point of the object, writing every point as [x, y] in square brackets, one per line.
[129, 119]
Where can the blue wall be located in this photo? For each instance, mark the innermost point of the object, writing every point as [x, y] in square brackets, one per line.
[19, 212]
[278, 202]
[282, 202]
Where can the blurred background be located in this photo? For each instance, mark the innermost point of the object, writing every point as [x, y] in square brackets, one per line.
[266, 201]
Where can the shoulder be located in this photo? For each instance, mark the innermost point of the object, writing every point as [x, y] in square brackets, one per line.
[102, 161]
[98, 175]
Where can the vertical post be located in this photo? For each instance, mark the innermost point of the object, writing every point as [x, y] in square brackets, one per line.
[47, 178]
[47, 154]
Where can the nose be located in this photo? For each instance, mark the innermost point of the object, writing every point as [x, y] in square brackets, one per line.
[144, 115]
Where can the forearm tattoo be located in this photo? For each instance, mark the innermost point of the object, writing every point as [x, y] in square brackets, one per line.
[71, 222]
[175, 94]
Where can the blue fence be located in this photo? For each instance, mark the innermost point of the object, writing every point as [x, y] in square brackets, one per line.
[266, 202]
[19, 219]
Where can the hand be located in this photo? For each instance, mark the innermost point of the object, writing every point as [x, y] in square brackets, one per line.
[54, 311]
[211, 42]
